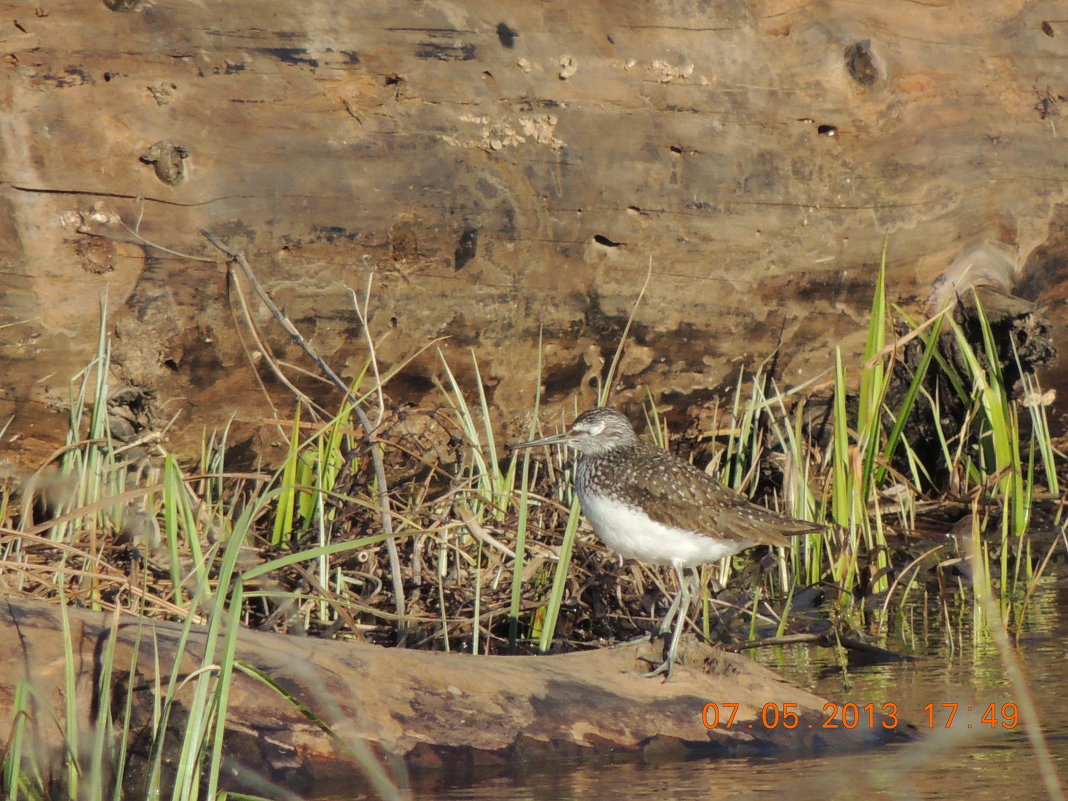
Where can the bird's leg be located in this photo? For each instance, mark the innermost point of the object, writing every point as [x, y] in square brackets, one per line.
[681, 607]
[665, 624]
[680, 623]
[665, 621]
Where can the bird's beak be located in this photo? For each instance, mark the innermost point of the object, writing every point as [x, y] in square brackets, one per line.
[555, 439]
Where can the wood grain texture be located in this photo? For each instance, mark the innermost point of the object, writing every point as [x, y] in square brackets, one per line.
[507, 168]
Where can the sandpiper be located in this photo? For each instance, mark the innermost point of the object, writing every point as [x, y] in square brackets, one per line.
[647, 504]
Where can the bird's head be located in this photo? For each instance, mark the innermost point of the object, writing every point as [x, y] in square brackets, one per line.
[594, 432]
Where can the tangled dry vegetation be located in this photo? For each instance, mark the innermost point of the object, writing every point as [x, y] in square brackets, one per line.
[411, 526]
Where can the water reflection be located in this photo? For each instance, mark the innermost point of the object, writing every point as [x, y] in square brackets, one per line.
[973, 766]
[968, 758]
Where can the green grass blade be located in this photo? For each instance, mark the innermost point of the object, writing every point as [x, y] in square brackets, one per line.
[522, 517]
[563, 564]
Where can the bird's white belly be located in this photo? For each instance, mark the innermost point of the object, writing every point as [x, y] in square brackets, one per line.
[629, 532]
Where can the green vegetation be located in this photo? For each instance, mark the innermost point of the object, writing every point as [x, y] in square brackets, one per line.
[494, 545]
[198, 525]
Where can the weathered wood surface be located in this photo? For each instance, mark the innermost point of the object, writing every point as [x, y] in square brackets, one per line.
[429, 709]
[510, 167]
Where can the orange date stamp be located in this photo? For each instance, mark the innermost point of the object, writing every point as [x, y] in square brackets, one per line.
[873, 716]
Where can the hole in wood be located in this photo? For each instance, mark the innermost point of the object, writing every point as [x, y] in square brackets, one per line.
[466, 248]
[506, 36]
[600, 239]
[862, 63]
[123, 5]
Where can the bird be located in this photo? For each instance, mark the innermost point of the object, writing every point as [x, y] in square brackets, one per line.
[645, 503]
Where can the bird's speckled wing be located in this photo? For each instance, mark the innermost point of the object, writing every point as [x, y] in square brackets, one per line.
[676, 493]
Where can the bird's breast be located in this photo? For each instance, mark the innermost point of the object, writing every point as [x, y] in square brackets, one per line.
[627, 530]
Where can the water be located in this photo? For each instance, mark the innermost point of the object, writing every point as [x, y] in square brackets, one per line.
[968, 759]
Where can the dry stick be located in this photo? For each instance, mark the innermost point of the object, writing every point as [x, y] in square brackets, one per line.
[362, 314]
[369, 437]
[232, 281]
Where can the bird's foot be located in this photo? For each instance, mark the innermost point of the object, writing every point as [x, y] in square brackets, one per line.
[664, 662]
[663, 668]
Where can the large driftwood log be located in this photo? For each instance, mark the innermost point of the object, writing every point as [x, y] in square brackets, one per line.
[511, 168]
[429, 709]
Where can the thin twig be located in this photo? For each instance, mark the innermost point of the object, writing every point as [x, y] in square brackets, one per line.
[268, 356]
[233, 282]
[362, 315]
[136, 231]
[369, 436]
[606, 389]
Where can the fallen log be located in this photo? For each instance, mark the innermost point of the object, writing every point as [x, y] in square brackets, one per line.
[413, 708]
